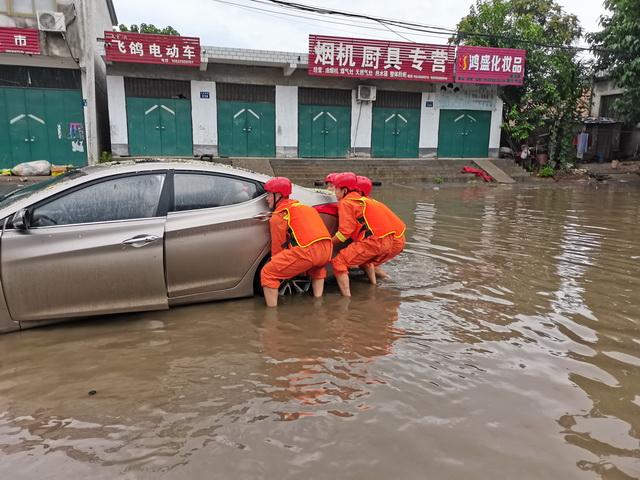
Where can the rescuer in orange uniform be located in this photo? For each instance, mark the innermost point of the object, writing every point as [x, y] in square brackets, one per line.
[328, 181]
[365, 186]
[300, 242]
[371, 223]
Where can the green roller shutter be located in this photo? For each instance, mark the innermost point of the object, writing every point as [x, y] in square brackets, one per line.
[41, 124]
[324, 131]
[464, 133]
[395, 132]
[159, 126]
[246, 129]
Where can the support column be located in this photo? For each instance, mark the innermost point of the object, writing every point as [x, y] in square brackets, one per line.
[361, 118]
[429, 123]
[204, 118]
[286, 121]
[496, 128]
[88, 80]
[117, 115]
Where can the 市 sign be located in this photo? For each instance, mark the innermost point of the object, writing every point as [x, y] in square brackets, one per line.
[20, 40]
[501, 66]
[360, 58]
[148, 48]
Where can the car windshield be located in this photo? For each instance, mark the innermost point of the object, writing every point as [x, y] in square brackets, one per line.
[24, 192]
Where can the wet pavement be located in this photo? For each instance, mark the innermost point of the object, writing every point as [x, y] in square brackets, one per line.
[507, 345]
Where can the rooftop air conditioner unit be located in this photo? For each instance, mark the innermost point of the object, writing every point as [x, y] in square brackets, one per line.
[366, 93]
[51, 21]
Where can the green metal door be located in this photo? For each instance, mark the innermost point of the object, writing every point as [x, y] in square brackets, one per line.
[478, 127]
[159, 126]
[464, 133]
[395, 132]
[324, 131]
[246, 129]
[41, 124]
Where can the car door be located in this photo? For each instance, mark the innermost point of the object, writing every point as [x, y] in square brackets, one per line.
[216, 231]
[93, 250]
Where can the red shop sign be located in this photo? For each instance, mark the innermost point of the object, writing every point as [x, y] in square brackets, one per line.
[148, 48]
[501, 66]
[20, 40]
[360, 58]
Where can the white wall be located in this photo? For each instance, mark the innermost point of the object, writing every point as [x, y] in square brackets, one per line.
[117, 115]
[429, 121]
[496, 125]
[361, 118]
[204, 118]
[286, 120]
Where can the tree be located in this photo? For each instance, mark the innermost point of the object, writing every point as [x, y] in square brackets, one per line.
[554, 78]
[148, 28]
[617, 48]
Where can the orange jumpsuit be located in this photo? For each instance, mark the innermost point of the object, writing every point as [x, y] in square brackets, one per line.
[373, 226]
[300, 242]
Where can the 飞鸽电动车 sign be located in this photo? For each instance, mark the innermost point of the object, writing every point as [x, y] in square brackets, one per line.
[151, 48]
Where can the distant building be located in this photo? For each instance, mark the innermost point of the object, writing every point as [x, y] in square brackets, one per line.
[53, 93]
[609, 138]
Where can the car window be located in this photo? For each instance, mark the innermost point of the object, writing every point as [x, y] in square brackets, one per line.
[25, 192]
[194, 191]
[122, 198]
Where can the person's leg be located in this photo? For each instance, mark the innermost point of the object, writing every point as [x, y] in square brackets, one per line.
[320, 254]
[286, 264]
[358, 253]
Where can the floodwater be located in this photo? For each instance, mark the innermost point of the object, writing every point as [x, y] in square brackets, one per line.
[506, 346]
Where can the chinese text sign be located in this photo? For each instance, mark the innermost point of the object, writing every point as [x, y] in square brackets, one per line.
[148, 48]
[20, 40]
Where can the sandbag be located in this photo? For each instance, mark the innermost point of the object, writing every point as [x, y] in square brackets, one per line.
[36, 168]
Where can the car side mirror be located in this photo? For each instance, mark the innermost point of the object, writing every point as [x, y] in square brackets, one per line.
[20, 220]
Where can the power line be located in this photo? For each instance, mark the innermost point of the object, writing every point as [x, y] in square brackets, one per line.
[272, 13]
[426, 28]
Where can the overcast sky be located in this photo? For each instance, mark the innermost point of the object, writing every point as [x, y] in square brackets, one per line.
[225, 25]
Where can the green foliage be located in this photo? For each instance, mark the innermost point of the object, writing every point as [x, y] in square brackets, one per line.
[439, 180]
[554, 78]
[618, 52]
[148, 28]
[546, 171]
[105, 157]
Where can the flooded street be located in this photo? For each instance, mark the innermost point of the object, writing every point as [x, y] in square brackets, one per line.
[507, 345]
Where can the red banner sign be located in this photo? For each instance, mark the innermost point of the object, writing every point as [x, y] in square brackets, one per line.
[148, 48]
[501, 66]
[359, 58]
[20, 40]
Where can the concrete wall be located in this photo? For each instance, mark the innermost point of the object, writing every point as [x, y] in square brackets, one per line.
[286, 121]
[204, 118]
[429, 123]
[601, 88]
[117, 115]
[361, 122]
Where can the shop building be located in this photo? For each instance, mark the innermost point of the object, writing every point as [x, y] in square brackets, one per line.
[53, 95]
[253, 103]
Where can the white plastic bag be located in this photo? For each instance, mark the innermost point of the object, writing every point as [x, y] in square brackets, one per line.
[28, 169]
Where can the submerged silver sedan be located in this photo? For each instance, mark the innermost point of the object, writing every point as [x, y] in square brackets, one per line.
[128, 237]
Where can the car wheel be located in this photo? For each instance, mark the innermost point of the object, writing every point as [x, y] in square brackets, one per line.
[295, 286]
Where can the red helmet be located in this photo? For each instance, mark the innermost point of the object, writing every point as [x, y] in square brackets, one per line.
[330, 177]
[364, 185]
[281, 185]
[346, 180]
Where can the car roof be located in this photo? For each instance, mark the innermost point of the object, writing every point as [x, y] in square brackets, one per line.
[95, 172]
[132, 166]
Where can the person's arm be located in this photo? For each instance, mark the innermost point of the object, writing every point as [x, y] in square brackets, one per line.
[347, 222]
[278, 227]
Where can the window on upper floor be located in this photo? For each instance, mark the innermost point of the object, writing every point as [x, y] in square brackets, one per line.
[26, 7]
[607, 105]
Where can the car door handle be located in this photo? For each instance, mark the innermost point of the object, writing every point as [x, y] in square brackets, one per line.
[262, 216]
[140, 240]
